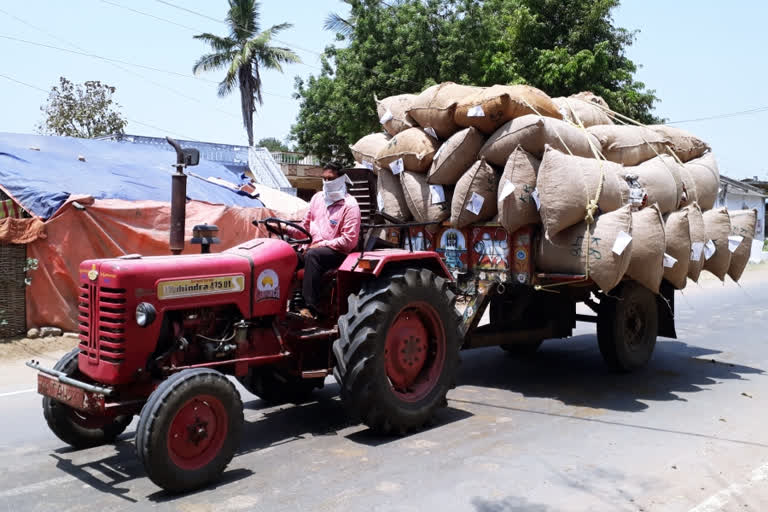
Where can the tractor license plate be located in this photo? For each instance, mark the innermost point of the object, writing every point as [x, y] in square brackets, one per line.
[70, 395]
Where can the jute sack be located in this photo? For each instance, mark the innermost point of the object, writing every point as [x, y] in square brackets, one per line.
[413, 146]
[678, 240]
[742, 225]
[706, 177]
[699, 238]
[590, 97]
[474, 198]
[390, 196]
[490, 108]
[393, 112]
[566, 184]
[685, 145]
[533, 133]
[455, 156]
[435, 107]
[575, 110]
[424, 204]
[690, 191]
[568, 253]
[628, 145]
[648, 246]
[366, 149]
[718, 225]
[661, 180]
[518, 181]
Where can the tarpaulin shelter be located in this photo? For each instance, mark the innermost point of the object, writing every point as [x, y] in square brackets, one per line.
[103, 199]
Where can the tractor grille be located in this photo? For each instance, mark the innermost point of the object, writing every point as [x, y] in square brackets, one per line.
[102, 317]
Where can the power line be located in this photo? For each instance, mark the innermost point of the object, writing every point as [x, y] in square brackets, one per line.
[722, 116]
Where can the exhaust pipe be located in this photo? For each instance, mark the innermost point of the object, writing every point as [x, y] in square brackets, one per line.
[184, 158]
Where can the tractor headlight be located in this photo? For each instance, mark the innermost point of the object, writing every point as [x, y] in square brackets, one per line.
[145, 314]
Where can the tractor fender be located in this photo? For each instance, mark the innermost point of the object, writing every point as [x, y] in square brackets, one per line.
[377, 262]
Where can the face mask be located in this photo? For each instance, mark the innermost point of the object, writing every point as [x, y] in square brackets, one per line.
[335, 190]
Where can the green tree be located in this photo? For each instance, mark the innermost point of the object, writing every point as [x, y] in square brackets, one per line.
[244, 53]
[559, 46]
[81, 110]
[273, 144]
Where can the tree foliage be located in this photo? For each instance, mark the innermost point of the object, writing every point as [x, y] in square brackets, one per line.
[273, 144]
[81, 110]
[559, 46]
[244, 53]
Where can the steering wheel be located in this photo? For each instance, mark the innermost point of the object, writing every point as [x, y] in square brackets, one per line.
[275, 226]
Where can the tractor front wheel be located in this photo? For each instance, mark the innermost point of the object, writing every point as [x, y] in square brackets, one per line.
[398, 350]
[76, 428]
[189, 429]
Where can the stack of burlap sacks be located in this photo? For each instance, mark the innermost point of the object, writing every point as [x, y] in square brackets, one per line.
[612, 199]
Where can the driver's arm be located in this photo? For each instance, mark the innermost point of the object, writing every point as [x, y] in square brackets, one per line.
[295, 233]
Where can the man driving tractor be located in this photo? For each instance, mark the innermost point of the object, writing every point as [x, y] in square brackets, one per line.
[333, 221]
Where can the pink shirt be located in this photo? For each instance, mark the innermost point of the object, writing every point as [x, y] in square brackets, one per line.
[336, 226]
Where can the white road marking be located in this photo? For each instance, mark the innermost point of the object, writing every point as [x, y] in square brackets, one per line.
[39, 486]
[11, 393]
[717, 502]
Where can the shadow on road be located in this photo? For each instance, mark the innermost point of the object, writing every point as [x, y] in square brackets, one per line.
[572, 371]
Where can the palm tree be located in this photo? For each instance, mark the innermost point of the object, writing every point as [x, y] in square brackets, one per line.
[245, 52]
[335, 22]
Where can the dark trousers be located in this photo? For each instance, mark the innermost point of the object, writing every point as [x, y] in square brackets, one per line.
[315, 263]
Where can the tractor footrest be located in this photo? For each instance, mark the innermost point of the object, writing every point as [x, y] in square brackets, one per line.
[314, 374]
[317, 334]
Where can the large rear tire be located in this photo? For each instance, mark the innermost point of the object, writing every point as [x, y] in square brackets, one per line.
[627, 326]
[398, 350]
[189, 429]
[76, 428]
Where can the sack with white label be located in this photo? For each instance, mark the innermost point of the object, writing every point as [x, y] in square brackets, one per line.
[366, 149]
[577, 110]
[516, 199]
[435, 107]
[566, 184]
[717, 255]
[427, 203]
[699, 239]
[706, 178]
[393, 112]
[390, 196]
[490, 108]
[607, 244]
[474, 198]
[677, 229]
[683, 144]
[660, 178]
[740, 240]
[628, 145]
[455, 156]
[648, 245]
[411, 150]
[534, 133]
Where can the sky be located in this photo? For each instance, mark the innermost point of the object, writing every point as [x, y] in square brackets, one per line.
[703, 58]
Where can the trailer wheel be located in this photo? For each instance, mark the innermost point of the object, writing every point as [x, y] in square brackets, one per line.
[627, 326]
[522, 349]
[398, 350]
[276, 387]
[189, 429]
[76, 428]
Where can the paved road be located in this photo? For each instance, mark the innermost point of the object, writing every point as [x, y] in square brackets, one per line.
[557, 432]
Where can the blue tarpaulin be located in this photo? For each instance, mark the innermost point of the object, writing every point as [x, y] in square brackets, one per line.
[41, 172]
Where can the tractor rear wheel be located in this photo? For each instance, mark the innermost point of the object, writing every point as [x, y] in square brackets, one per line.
[627, 326]
[398, 350]
[76, 428]
[276, 387]
[189, 429]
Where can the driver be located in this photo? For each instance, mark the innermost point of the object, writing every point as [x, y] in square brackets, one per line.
[333, 220]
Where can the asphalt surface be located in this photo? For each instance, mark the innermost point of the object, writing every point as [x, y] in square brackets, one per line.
[551, 433]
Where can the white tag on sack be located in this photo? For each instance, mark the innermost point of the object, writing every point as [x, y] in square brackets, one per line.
[696, 249]
[734, 241]
[475, 203]
[388, 116]
[621, 243]
[476, 111]
[535, 197]
[709, 249]
[506, 190]
[430, 131]
[380, 201]
[397, 166]
[367, 165]
[669, 261]
[437, 193]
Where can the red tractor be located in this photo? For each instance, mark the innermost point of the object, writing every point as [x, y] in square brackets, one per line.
[159, 336]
